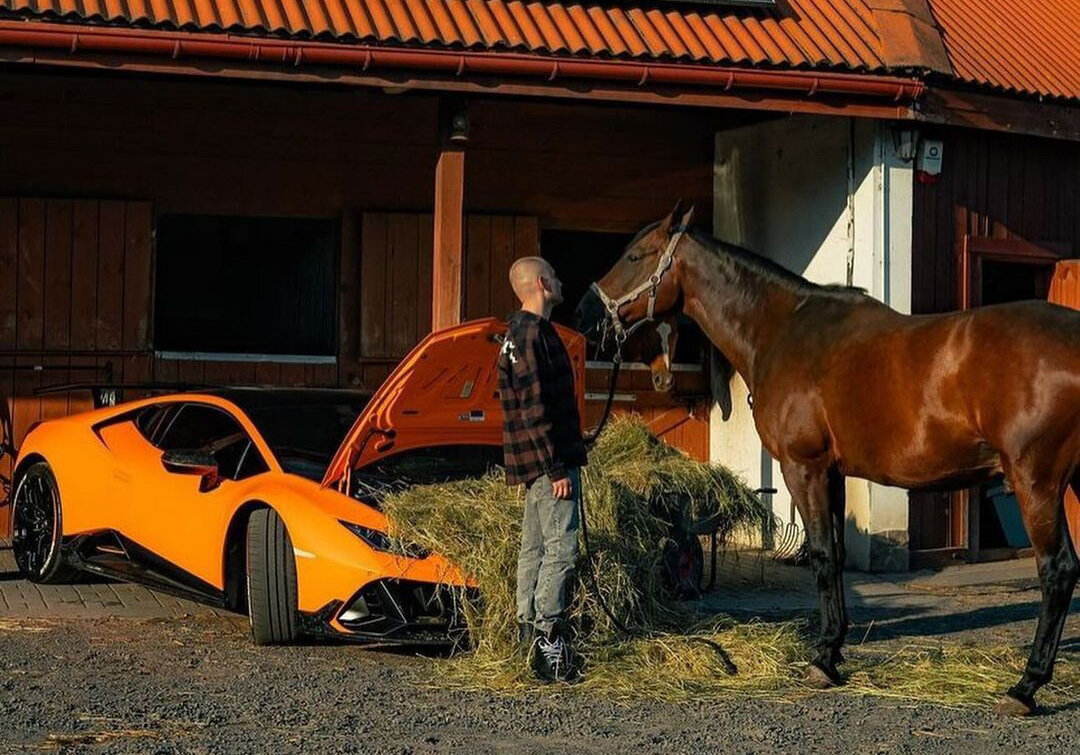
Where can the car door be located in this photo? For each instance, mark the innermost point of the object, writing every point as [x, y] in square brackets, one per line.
[175, 526]
[444, 393]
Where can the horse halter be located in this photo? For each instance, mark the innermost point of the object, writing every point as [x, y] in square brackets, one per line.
[612, 306]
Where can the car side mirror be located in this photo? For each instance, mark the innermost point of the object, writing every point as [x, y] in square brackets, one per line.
[192, 462]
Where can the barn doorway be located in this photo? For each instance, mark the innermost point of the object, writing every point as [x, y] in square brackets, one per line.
[998, 271]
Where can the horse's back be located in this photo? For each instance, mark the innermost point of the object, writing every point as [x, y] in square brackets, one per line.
[1032, 403]
[919, 400]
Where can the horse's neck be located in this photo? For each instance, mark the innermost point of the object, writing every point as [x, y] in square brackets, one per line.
[738, 308]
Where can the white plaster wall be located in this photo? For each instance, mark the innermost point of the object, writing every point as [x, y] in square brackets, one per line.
[824, 197]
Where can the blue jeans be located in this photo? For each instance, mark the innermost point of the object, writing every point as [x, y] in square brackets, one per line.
[549, 550]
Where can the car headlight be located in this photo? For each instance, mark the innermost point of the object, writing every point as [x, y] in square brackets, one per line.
[380, 541]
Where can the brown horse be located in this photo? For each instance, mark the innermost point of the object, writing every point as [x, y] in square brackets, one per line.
[843, 385]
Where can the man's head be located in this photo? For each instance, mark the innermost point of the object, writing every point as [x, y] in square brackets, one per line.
[536, 285]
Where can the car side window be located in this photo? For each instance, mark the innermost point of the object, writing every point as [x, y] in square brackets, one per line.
[207, 428]
[152, 420]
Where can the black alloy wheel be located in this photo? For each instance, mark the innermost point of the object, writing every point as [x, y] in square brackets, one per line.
[37, 527]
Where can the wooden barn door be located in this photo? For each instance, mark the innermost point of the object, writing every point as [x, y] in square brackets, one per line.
[75, 282]
[395, 284]
[679, 418]
[1065, 290]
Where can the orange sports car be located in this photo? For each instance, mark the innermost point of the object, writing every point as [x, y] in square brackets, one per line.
[266, 500]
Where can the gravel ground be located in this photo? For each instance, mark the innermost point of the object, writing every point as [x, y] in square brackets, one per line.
[196, 685]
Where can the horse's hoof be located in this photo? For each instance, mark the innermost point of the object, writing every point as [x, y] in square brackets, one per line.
[1008, 705]
[818, 678]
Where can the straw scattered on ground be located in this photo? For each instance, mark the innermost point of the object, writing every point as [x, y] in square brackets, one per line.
[634, 486]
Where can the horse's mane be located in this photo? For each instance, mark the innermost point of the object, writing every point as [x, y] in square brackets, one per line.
[774, 272]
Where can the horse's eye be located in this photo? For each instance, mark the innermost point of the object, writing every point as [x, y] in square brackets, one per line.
[635, 257]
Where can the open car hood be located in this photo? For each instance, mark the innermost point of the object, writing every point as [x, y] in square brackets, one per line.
[446, 391]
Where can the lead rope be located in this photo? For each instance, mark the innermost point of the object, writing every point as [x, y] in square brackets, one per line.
[590, 439]
[616, 363]
[620, 627]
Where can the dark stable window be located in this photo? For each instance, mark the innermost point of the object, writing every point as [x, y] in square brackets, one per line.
[423, 466]
[207, 428]
[245, 285]
[582, 257]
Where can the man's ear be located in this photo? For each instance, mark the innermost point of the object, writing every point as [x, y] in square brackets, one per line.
[668, 224]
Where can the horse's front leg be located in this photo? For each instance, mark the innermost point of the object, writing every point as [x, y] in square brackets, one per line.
[810, 489]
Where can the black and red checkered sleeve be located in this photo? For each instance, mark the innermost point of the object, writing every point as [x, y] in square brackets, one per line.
[530, 370]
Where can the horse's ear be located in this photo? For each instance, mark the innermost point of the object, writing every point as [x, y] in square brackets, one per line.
[687, 218]
[669, 223]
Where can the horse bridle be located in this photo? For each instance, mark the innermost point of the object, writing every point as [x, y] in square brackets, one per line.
[612, 306]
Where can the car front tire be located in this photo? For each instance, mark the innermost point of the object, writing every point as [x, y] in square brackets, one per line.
[271, 577]
[37, 527]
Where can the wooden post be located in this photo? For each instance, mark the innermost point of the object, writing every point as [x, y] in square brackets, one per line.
[447, 267]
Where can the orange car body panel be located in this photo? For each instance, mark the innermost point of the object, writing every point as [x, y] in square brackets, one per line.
[110, 477]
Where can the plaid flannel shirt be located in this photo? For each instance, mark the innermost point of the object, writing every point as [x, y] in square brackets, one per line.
[541, 426]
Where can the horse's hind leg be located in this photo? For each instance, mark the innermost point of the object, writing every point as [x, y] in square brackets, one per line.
[1044, 517]
[810, 490]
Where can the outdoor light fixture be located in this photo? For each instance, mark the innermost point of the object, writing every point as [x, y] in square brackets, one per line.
[459, 125]
[905, 142]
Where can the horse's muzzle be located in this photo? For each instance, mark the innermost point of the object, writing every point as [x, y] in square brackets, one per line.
[590, 313]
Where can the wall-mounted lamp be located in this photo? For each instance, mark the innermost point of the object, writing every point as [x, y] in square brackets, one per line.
[905, 142]
[459, 124]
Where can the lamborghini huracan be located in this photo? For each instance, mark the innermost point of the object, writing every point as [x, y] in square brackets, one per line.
[267, 500]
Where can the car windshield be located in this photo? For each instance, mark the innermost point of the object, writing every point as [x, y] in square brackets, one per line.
[303, 428]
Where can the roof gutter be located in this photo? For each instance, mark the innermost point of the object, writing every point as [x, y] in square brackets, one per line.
[181, 45]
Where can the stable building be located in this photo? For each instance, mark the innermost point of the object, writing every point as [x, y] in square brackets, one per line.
[295, 192]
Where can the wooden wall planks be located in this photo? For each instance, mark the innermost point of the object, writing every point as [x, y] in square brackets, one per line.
[395, 277]
[573, 165]
[66, 269]
[995, 185]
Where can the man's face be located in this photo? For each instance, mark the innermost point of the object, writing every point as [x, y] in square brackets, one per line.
[551, 286]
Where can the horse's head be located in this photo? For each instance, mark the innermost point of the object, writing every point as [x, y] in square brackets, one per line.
[653, 344]
[642, 286]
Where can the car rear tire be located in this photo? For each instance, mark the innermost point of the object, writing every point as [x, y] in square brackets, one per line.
[37, 527]
[271, 580]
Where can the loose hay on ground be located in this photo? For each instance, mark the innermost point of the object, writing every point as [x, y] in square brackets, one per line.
[633, 486]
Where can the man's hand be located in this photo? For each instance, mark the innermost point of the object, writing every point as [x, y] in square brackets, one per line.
[562, 488]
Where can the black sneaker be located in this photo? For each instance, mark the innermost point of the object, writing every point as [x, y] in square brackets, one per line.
[552, 658]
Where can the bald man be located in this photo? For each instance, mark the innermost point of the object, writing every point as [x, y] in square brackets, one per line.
[544, 450]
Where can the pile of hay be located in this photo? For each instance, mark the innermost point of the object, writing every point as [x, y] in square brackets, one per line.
[633, 486]
[672, 655]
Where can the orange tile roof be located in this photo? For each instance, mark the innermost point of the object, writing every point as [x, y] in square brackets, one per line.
[837, 34]
[1024, 46]
[1029, 46]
